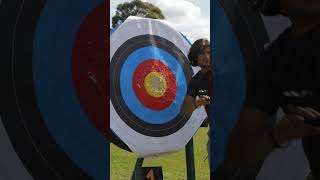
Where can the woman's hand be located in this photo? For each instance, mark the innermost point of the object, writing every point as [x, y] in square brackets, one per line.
[293, 125]
[202, 100]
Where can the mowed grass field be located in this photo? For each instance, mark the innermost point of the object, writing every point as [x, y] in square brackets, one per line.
[173, 165]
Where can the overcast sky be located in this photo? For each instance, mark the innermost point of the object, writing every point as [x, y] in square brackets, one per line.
[191, 17]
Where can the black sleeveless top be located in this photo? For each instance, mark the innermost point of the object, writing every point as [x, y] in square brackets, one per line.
[288, 68]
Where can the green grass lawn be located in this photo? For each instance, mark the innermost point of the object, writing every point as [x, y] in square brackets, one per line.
[173, 165]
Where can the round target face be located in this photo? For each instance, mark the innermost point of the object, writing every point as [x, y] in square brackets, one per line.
[55, 109]
[150, 97]
[149, 77]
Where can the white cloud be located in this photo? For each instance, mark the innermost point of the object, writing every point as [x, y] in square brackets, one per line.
[183, 15]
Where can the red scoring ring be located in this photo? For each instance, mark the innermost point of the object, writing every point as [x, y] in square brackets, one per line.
[139, 76]
[90, 67]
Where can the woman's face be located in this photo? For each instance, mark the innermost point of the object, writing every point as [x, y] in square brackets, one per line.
[204, 58]
[306, 8]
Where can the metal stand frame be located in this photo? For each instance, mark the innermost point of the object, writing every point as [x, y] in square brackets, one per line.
[191, 175]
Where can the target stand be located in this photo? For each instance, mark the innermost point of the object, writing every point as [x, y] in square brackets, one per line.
[142, 173]
[155, 173]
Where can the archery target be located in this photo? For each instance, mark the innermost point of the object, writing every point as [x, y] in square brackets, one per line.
[52, 53]
[149, 73]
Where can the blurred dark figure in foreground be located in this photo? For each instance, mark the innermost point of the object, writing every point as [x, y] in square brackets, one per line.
[287, 77]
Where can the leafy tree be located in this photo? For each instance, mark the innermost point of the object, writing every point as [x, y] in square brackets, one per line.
[136, 8]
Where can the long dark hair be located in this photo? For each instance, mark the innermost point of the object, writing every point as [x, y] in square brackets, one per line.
[197, 47]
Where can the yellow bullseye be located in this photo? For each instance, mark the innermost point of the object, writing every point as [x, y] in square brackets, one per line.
[155, 84]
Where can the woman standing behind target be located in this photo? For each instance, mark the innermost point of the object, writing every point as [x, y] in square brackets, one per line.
[200, 87]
